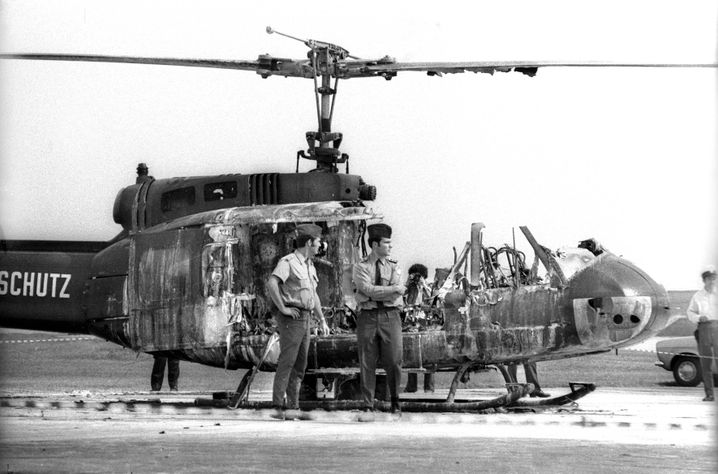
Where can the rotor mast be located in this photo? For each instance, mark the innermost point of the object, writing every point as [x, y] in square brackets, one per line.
[323, 144]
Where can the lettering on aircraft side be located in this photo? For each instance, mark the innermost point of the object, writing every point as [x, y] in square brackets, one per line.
[35, 284]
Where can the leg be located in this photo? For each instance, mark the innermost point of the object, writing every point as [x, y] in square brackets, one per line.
[532, 375]
[429, 382]
[366, 339]
[706, 345]
[411, 382]
[158, 373]
[392, 350]
[289, 347]
[173, 373]
[300, 366]
[511, 373]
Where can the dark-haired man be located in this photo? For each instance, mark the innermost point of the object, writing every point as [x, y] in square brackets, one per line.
[379, 293]
[703, 311]
[293, 289]
[418, 294]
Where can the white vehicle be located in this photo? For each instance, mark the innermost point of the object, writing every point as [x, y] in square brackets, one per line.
[680, 355]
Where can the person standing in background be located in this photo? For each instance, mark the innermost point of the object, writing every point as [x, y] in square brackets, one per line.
[158, 373]
[702, 310]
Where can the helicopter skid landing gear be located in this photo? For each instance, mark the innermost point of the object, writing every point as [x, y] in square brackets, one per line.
[578, 390]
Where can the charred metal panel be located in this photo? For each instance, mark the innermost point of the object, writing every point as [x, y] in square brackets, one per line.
[306, 212]
[336, 351]
[164, 285]
[424, 350]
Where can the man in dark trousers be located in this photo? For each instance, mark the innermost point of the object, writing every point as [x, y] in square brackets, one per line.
[158, 373]
[293, 289]
[379, 291]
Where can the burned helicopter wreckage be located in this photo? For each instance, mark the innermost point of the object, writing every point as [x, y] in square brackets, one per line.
[194, 289]
[185, 277]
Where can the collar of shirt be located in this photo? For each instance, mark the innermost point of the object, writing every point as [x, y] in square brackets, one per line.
[374, 257]
[300, 256]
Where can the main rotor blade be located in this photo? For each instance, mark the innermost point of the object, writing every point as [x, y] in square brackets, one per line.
[386, 67]
[216, 63]
[265, 65]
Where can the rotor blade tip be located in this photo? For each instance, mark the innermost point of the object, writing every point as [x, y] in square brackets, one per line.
[270, 30]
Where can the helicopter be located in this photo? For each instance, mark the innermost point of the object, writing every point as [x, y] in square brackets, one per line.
[185, 277]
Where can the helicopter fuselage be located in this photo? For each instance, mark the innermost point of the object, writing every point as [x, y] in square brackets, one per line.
[193, 288]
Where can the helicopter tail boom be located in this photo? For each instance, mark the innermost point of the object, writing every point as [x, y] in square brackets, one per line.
[42, 284]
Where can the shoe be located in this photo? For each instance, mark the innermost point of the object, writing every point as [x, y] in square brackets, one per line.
[540, 394]
[173, 389]
[395, 407]
[708, 398]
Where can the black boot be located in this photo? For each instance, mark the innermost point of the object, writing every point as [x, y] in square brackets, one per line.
[395, 406]
[539, 393]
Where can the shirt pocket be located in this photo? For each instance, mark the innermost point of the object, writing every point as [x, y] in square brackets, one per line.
[300, 272]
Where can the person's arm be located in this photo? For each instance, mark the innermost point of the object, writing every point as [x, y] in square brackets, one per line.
[273, 290]
[323, 327]
[363, 282]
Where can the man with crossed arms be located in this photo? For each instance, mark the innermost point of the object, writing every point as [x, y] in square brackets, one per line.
[379, 299]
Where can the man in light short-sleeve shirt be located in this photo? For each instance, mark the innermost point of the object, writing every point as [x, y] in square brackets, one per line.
[293, 289]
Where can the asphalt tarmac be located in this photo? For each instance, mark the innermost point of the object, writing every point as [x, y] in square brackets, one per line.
[74, 406]
[609, 430]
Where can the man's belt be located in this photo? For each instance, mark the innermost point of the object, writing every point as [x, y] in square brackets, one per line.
[297, 307]
[383, 308]
[302, 311]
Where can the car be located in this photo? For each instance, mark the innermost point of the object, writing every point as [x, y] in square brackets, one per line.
[680, 356]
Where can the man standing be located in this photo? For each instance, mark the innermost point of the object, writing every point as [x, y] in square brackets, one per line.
[379, 298]
[703, 311]
[293, 289]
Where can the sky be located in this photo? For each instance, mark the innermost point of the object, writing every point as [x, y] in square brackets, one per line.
[627, 156]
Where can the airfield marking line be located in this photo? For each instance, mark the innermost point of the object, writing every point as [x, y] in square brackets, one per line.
[54, 339]
[114, 407]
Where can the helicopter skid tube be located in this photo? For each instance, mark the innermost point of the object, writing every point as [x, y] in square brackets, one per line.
[578, 390]
[514, 392]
